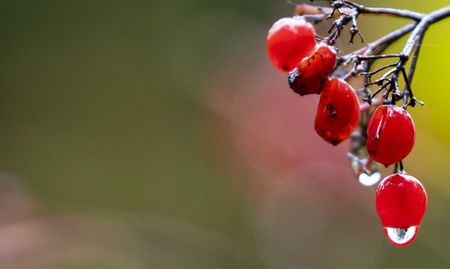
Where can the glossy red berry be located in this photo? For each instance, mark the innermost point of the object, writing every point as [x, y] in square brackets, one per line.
[338, 111]
[390, 134]
[289, 41]
[312, 73]
[401, 202]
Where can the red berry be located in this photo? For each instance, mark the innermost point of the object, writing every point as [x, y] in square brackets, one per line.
[313, 71]
[338, 111]
[390, 134]
[401, 203]
[289, 41]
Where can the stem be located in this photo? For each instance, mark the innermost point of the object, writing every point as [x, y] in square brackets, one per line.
[414, 60]
[375, 57]
[386, 11]
[372, 50]
[370, 74]
[420, 29]
[414, 42]
[400, 167]
[381, 44]
[307, 9]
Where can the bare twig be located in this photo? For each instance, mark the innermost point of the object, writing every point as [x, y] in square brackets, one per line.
[307, 9]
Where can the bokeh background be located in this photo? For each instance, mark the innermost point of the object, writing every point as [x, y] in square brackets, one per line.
[155, 134]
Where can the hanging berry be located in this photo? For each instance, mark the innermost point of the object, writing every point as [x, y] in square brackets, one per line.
[312, 73]
[390, 134]
[289, 41]
[401, 202]
[338, 111]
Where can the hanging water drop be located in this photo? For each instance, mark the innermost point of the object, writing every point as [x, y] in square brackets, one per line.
[400, 237]
[365, 170]
[356, 163]
[369, 179]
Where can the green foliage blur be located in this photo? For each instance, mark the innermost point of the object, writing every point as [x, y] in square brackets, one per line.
[103, 117]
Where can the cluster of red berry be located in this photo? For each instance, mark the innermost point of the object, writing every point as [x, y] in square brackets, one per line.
[401, 200]
[292, 47]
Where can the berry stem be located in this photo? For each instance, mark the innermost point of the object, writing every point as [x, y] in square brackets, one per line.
[400, 167]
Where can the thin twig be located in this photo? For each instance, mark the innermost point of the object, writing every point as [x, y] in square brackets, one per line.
[307, 9]
[404, 13]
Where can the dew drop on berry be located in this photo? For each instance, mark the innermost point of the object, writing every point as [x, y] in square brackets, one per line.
[401, 237]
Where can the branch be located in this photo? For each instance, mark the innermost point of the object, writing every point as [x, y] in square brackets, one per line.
[420, 29]
[389, 81]
[307, 9]
[404, 13]
[373, 48]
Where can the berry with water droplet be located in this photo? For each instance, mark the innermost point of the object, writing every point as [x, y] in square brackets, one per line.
[289, 41]
[312, 73]
[390, 134]
[401, 202]
[338, 111]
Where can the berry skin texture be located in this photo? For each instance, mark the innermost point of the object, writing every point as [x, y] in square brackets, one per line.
[338, 111]
[289, 41]
[312, 73]
[401, 201]
[390, 134]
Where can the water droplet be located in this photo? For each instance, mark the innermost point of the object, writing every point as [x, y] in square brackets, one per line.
[356, 163]
[369, 180]
[365, 170]
[401, 237]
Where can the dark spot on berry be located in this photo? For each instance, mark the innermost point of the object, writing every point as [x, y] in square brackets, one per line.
[335, 142]
[330, 110]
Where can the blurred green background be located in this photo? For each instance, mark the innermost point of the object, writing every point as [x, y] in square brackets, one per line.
[109, 125]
